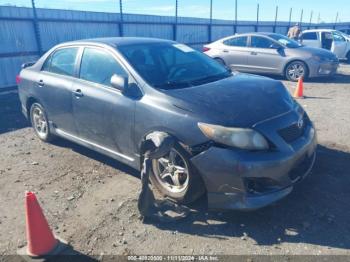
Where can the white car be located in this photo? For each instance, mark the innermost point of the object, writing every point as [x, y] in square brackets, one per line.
[332, 40]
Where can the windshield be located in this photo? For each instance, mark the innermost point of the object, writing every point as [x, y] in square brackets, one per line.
[172, 66]
[343, 34]
[285, 41]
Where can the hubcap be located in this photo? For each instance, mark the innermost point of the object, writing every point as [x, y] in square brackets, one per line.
[39, 121]
[171, 172]
[295, 71]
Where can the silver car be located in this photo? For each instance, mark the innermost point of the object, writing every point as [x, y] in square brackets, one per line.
[270, 53]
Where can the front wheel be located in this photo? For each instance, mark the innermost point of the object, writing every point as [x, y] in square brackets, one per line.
[40, 122]
[295, 70]
[175, 178]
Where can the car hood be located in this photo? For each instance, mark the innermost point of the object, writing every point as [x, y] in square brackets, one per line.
[316, 51]
[241, 100]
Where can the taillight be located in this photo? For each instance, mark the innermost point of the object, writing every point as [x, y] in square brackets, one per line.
[206, 49]
[18, 79]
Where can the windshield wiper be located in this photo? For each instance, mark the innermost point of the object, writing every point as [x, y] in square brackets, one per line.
[189, 83]
[212, 77]
[174, 84]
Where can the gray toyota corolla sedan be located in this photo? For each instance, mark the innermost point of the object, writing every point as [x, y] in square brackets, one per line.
[269, 53]
[241, 139]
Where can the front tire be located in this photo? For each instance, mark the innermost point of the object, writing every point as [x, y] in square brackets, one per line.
[296, 70]
[40, 122]
[175, 177]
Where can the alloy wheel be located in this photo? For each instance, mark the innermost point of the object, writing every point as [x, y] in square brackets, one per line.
[171, 171]
[295, 71]
[39, 122]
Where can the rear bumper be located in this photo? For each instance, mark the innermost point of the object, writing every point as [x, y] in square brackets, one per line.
[241, 180]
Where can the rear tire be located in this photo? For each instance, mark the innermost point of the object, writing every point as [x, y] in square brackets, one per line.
[296, 69]
[187, 187]
[40, 122]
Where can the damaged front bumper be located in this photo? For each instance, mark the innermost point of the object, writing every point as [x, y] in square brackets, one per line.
[241, 180]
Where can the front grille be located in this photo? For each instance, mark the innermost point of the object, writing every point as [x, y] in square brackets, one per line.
[293, 132]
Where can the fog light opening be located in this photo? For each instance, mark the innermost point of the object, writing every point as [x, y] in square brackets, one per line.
[260, 185]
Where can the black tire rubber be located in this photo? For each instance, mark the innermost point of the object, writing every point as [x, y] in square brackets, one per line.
[306, 70]
[49, 137]
[195, 189]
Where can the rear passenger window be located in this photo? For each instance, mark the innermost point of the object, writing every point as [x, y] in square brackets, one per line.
[310, 36]
[237, 41]
[98, 66]
[61, 62]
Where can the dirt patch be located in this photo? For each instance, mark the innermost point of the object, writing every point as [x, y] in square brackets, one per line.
[90, 199]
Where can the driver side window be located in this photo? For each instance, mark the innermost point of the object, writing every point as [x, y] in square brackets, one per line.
[261, 42]
[98, 66]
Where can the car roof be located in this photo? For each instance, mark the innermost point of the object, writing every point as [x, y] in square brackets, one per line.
[257, 33]
[318, 30]
[248, 34]
[118, 41]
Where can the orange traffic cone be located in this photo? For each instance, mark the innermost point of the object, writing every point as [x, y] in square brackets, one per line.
[41, 241]
[300, 89]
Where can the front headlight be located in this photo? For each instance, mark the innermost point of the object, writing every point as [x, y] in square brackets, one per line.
[322, 58]
[243, 138]
[317, 58]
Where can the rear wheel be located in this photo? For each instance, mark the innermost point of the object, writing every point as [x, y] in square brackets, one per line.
[175, 178]
[40, 122]
[296, 70]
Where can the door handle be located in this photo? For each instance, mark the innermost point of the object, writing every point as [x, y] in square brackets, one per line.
[41, 83]
[77, 93]
[253, 53]
[225, 51]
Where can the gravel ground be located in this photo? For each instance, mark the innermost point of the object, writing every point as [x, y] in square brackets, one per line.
[90, 200]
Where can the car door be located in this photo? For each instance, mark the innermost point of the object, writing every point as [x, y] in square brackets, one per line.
[55, 85]
[104, 116]
[234, 52]
[339, 45]
[327, 40]
[311, 39]
[264, 56]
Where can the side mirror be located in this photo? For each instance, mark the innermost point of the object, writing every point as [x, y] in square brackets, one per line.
[275, 46]
[119, 82]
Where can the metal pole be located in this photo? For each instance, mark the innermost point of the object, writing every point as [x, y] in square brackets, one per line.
[312, 13]
[236, 14]
[336, 20]
[176, 21]
[257, 18]
[210, 22]
[36, 29]
[290, 19]
[276, 16]
[301, 17]
[121, 27]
